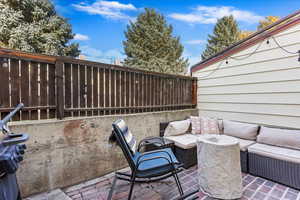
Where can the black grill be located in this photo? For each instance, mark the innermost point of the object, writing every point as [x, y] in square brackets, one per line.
[11, 154]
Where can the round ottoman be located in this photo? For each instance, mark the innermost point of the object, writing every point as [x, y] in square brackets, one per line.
[219, 167]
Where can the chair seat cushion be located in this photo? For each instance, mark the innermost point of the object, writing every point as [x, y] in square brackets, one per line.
[155, 163]
[185, 141]
[275, 152]
[244, 144]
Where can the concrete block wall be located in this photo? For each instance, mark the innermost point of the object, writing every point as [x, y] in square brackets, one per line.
[65, 152]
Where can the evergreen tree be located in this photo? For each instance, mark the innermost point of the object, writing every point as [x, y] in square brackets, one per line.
[34, 26]
[150, 45]
[226, 32]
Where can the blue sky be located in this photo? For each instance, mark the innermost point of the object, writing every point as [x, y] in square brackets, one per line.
[99, 25]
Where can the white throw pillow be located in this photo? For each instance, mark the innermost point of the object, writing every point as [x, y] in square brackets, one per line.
[177, 127]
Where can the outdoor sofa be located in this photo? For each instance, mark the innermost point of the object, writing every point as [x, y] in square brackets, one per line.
[185, 145]
[269, 152]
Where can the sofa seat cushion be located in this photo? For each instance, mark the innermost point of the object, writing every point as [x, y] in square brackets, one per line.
[244, 144]
[185, 141]
[275, 152]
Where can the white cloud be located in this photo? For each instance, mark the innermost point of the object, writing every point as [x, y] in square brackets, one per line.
[82, 37]
[97, 55]
[210, 15]
[108, 9]
[116, 5]
[195, 42]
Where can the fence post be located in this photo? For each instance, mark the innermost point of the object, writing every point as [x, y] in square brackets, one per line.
[194, 92]
[59, 64]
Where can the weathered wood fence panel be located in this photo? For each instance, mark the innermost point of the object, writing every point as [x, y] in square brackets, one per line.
[59, 87]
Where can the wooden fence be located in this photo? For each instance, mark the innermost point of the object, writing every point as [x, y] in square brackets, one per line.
[58, 87]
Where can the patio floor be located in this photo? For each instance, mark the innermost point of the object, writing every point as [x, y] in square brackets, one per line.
[254, 188]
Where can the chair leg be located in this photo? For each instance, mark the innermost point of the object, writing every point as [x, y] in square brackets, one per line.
[112, 188]
[131, 186]
[178, 183]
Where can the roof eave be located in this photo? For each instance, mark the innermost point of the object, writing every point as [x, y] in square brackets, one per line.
[257, 35]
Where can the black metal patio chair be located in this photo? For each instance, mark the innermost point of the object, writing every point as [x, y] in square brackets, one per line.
[147, 166]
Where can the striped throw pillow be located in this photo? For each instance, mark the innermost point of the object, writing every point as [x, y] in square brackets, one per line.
[196, 127]
[129, 138]
[209, 125]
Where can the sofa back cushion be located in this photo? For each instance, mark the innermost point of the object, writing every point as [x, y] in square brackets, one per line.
[177, 127]
[240, 130]
[279, 137]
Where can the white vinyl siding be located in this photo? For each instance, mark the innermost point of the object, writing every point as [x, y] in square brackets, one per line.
[263, 88]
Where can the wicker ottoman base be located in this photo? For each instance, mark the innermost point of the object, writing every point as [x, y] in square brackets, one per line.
[244, 161]
[188, 157]
[280, 171]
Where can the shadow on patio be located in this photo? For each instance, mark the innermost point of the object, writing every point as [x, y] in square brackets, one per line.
[98, 189]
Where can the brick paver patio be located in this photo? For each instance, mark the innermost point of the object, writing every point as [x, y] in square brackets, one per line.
[254, 188]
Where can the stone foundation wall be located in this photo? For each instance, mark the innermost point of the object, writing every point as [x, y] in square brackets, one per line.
[65, 152]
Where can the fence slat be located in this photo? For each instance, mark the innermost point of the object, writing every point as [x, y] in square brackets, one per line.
[145, 92]
[131, 93]
[25, 88]
[118, 91]
[59, 69]
[113, 90]
[95, 89]
[68, 87]
[34, 93]
[127, 91]
[82, 85]
[107, 88]
[135, 90]
[101, 90]
[15, 85]
[89, 89]
[43, 90]
[4, 89]
[123, 90]
[52, 90]
[140, 91]
[76, 88]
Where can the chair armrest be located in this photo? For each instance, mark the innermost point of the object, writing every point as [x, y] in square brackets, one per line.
[147, 141]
